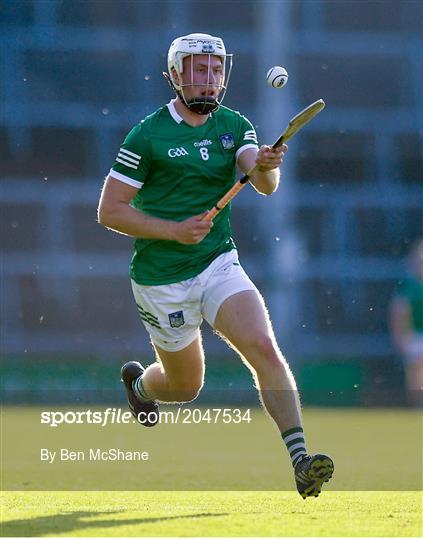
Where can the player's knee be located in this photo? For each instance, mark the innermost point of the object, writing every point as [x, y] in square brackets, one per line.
[270, 358]
[186, 391]
[185, 395]
[267, 348]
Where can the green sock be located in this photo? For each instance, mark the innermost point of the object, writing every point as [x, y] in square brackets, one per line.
[139, 390]
[295, 443]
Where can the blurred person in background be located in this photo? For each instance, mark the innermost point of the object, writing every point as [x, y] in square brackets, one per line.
[406, 323]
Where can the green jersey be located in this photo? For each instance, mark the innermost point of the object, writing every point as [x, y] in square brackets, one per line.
[412, 291]
[181, 171]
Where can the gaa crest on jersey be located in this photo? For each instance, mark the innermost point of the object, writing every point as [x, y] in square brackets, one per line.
[227, 141]
[176, 319]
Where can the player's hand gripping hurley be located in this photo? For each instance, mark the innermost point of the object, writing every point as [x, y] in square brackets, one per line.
[299, 121]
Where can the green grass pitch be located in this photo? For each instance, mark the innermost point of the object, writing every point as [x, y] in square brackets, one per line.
[138, 514]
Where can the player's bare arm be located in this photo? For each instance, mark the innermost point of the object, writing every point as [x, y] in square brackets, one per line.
[115, 212]
[401, 322]
[266, 178]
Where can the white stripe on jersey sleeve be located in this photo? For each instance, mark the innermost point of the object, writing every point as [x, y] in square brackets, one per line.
[125, 179]
[126, 163]
[127, 158]
[130, 153]
[250, 135]
[243, 148]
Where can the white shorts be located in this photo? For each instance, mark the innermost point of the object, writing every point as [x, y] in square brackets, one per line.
[172, 314]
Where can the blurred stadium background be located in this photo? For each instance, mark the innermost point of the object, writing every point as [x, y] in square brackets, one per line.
[327, 250]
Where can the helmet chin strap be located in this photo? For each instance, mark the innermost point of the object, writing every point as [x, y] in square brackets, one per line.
[200, 106]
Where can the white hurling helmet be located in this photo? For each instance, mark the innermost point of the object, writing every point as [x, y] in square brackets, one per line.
[189, 45]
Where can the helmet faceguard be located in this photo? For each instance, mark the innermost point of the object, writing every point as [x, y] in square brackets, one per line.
[189, 46]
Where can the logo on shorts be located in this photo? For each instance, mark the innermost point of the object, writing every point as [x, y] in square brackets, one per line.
[176, 319]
